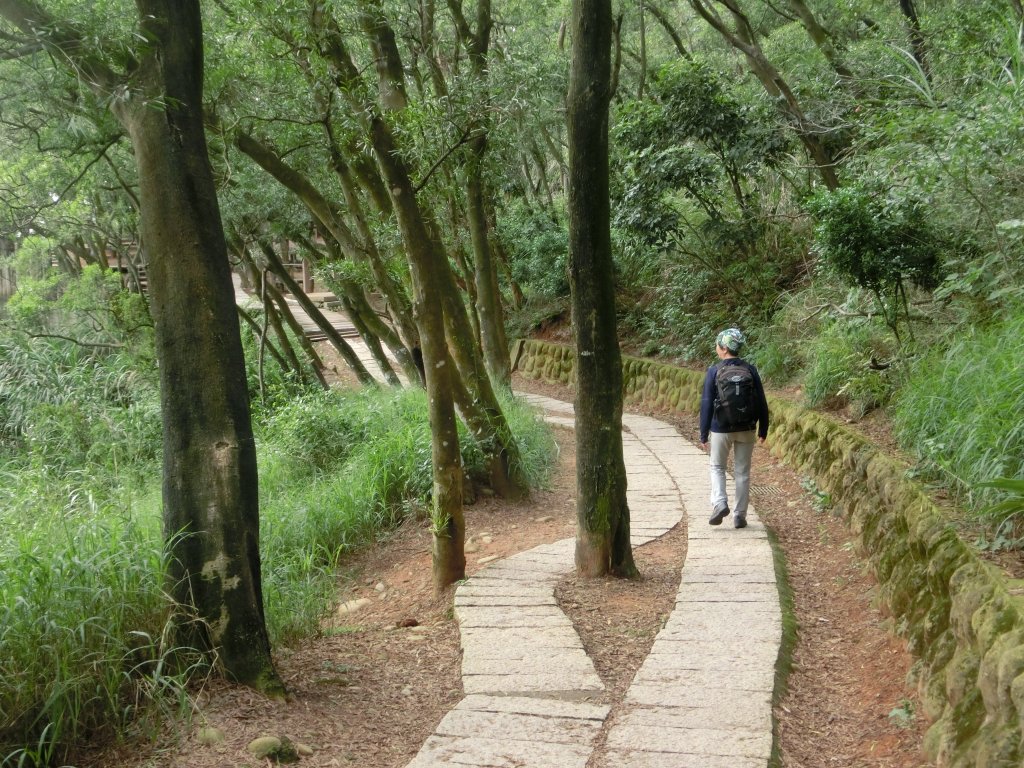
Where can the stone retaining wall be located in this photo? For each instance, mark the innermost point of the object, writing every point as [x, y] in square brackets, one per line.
[962, 619]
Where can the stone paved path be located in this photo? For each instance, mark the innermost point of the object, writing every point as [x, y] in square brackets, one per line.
[702, 698]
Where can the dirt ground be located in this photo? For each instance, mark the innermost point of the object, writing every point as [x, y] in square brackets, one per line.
[374, 685]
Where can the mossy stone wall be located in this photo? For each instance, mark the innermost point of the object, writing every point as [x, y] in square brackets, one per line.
[963, 621]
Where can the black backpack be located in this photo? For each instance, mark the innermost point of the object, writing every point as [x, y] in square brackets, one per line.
[736, 398]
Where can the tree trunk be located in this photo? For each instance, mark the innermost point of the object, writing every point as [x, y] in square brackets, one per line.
[449, 527]
[670, 30]
[917, 43]
[211, 513]
[424, 248]
[744, 41]
[643, 53]
[821, 38]
[602, 539]
[485, 276]
[285, 312]
[347, 353]
[358, 312]
[394, 293]
[259, 331]
[387, 60]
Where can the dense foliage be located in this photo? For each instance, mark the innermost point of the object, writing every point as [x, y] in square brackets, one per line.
[844, 187]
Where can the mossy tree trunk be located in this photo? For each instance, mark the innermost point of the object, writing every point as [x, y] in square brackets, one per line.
[210, 500]
[485, 274]
[210, 480]
[420, 238]
[449, 527]
[602, 538]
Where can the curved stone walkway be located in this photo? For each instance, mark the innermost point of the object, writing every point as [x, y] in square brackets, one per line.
[702, 698]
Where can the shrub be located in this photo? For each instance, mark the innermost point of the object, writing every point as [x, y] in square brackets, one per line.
[878, 241]
[839, 366]
[538, 248]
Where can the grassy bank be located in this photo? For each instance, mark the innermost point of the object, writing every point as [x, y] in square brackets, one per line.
[82, 609]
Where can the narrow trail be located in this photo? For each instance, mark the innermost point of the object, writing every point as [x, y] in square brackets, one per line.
[533, 698]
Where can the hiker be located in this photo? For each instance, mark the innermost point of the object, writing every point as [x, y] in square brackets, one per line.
[734, 414]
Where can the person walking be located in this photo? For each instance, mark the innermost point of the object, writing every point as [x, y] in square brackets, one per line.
[733, 416]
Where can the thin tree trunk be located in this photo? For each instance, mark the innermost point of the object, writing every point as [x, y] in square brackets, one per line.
[394, 293]
[448, 523]
[371, 340]
[917, 42]
[821, 38]
[501, 257]
[744, 41]
[643, 52]
[307, 346]
[670, 30]
[602, 539]
[487, 299]
[371, 328]
[283, 310]
[258, 330]
[426, 253]
[449, 527]
[342, 346]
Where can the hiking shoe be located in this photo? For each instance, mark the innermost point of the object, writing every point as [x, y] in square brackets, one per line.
[740, 521]
[719, 516]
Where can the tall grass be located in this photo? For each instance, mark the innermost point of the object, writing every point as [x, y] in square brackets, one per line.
[960, 411]
[82, 609]
[81, 612]
[837, 366]
[337, 469]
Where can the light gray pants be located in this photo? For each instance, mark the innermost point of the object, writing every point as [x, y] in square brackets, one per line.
[742, 445]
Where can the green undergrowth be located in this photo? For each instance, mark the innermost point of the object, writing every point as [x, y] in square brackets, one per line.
[84, 651]
[339, 470]
[960, 411]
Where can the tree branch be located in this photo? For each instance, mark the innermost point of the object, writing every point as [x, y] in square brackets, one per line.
[63, 40]
[78, 342]
[440, 161]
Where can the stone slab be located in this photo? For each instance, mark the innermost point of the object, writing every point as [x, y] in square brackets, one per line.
[440, 751]
[532, 683]
[759, 680]
[525, 637]
[696, 741]
[499, 621]
[526, 611]
[519, 727]
[718, 656]
[567, 662]
[481, 587]
[497, 601]
[624, 758]
[664, 695]
[696, 576]
[533, 705]
[751, 719]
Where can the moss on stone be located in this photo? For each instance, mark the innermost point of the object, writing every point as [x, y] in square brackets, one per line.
[949, 605]
[962, 676]
[994, 618]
